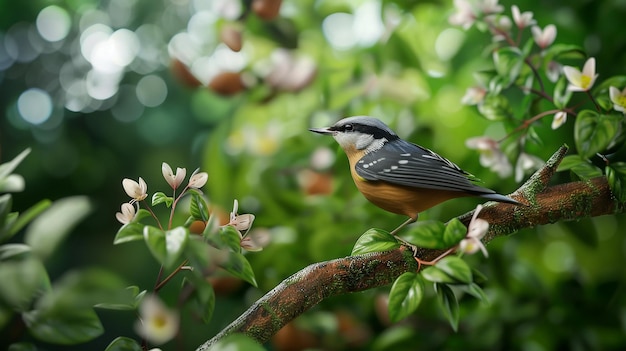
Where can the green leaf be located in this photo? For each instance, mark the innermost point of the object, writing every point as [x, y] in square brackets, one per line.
[198, 208]
[616, 176]
[570, 161]
[476, 291]
[374, 240]
[561, 94]
[129, 232]
[495, 108]
[563, 51]
[594, 132]
[227, 238]
[449, 304]
[5, 208]
[66, 327]
[123, 344]
[167, 246]
[237, 265]
[12, 251]
[456, 268]
[50, 228]
[159, 197]
[237, 342]
[128, 301]
[428, 234]
[8, 167]
[22, 280]
[579, 166]
[198, 253]
[203, 298]
[22, 346]
[405, 296]
[13, 227]
[436, 275]
[454, 232]
[508, 63]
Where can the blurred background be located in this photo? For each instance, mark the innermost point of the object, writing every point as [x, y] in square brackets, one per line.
[106, 90]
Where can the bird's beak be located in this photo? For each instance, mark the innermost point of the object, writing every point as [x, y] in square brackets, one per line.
[324, 130]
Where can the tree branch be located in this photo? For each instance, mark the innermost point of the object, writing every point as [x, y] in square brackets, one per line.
[303, 290]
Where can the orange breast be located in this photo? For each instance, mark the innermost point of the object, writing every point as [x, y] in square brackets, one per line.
[408, 201]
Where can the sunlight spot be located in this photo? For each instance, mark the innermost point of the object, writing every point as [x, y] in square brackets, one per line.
[35, 105]
[53, 23]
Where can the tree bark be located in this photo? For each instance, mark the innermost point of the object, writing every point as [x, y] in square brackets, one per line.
[303, 290]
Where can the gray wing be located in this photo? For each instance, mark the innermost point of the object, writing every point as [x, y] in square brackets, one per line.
[404, 163]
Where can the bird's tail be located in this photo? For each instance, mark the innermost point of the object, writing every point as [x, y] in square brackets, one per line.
[500, 198]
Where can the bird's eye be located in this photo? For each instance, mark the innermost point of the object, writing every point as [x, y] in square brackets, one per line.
[348, 127]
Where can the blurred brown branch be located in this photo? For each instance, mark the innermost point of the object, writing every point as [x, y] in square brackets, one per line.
[306, 288]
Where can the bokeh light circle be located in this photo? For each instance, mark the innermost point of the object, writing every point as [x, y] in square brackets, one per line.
[53, 23]
[151, 90]
[34, 105]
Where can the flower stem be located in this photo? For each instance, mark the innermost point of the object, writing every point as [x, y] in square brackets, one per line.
[170, 276]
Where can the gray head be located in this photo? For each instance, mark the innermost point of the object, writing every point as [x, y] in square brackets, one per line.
[359, 132]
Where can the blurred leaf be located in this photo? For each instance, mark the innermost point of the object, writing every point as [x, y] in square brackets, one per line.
[167, 246]
[237, 265]
[476, 291]
[561, 94]
[203, 298]
[456, 268]
[22, 346]
[197, 252]
[561, 51]
[374, 240]
[129, 301]
[508, 63]
[405, 296]
[594, 132]
[436, 275]
[160, 197]
[8, 167]
[429, 234]
[616, 176]
[5, 207]
[601, 91]
[50, 228]
[227, 238]
[129, 232]
[570, 161]
[449, 304]
[199, 208]
[579, 166]
[583, 230]
[6, 315]
[12, 184]
[22, 280]
[455, 231]
[65, 327]
[9, 251]
[15, 223]
[495, 108]
[237, 342]
[123, 344]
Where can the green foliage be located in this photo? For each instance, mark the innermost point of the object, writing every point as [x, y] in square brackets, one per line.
[405, 296]
[374, 240]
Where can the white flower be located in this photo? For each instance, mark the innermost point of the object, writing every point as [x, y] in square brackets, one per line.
[464, 15]
[475, 232]
[559, 119]
[198, 180]
[545, 37]
[522, 20]
[490, 7]
[526, 162]
[581, 81]
[474, 95]
[127, 215]
[490, 155]
[137, 191]
[156, 323]
[618, 98]
[174, 180]
[240, 222]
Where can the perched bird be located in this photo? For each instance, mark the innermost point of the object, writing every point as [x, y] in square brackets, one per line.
[399, 176]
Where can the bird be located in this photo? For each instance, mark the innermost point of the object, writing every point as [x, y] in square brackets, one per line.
[399, 176]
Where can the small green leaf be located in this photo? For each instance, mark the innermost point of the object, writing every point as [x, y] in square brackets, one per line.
[155, 240]
[563, 51]
[570, 161]
[561, 94]
[5, 208]
[203, 298]
[227, 238]
[8, 167]
[594, 132]
[22, 346]
[129, 300]
[456, 268]
[374, 240]
[508, 63]
[12, 251]
[159, 197]
[476, 291]
[198, 208]
[449, 304]
[436, 275]
[129, 232]
[616, 176]
[66, 327]
[122, 343]
[495, 108]
[405, 296]
[579, 166]
[13, 227]
[237, 265]
[167, 246]
[198, 253]
[428, 234]
[50, 228]
[455, 231]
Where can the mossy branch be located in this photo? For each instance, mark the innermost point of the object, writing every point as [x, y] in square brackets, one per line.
[303, 290]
